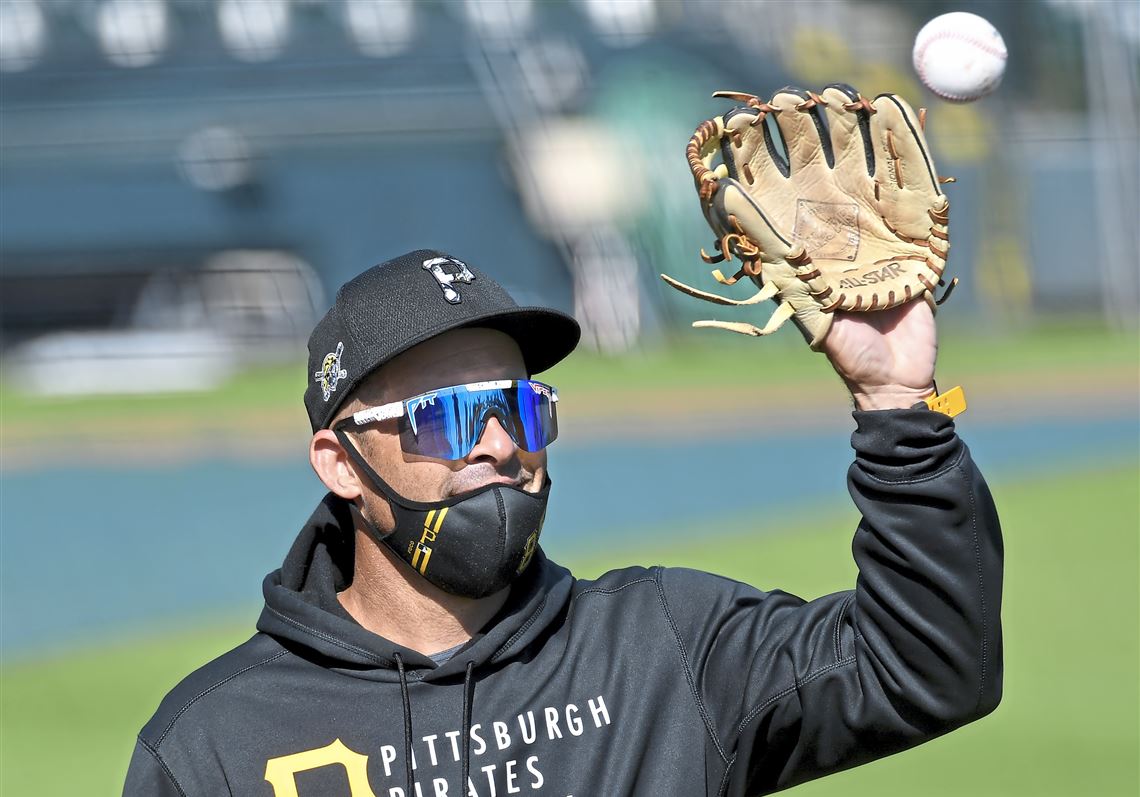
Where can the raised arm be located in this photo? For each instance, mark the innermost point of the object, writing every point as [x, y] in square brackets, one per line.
[795, 690]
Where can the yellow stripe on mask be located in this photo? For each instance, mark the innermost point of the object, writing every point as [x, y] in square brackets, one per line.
[423, 562]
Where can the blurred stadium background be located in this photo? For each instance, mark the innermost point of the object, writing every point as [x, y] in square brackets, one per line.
[184, 183]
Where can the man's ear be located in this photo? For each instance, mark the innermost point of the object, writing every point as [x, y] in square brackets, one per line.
[332, 465]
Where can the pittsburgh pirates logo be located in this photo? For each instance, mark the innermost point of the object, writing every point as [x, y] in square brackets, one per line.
[447, 280]
[421, 551]
[281, 772]
[331, 372]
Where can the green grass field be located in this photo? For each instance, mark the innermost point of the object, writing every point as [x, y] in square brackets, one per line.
[1068, 724]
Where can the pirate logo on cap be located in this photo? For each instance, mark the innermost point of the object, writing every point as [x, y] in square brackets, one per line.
[446, 280]
[331, 372]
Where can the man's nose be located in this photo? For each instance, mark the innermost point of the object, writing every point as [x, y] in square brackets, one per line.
[494, 445]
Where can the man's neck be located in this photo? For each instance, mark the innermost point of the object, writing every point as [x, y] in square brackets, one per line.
[389, 600]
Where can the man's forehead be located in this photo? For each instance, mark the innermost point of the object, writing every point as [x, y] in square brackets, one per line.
[456, 357]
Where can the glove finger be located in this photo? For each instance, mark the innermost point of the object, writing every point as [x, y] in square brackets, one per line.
[749, 152]
[802, 129]
[756, 195]
[902, 158]
[849, 126]
[904, 171]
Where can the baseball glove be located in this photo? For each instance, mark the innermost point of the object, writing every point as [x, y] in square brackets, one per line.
[830, 201]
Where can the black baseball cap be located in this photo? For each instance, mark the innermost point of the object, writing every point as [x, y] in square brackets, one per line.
[393, 306]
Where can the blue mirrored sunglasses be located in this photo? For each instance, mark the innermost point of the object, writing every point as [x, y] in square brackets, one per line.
[447, 423]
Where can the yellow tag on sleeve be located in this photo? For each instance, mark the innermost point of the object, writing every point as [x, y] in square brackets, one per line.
[952, 402]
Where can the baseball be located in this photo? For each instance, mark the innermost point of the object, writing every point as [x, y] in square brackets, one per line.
[959, 56]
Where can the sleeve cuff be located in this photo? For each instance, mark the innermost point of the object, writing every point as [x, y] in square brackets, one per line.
[895, 445]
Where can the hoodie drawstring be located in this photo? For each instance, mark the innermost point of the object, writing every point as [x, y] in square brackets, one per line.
[407, 722]
[468, 704]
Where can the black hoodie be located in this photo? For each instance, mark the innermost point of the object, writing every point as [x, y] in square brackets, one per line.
[646, 681]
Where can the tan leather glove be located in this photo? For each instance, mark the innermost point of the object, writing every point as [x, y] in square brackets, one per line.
[830, 202]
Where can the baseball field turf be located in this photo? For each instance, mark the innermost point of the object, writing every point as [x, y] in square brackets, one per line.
[1068, 724]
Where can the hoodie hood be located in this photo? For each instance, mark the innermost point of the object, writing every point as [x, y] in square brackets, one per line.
[302, 610]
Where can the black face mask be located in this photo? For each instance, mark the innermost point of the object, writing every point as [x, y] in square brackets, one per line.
[472, 545]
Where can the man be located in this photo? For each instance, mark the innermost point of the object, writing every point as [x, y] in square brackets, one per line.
[417, 641]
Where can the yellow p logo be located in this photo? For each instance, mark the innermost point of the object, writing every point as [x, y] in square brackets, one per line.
[281, 772]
